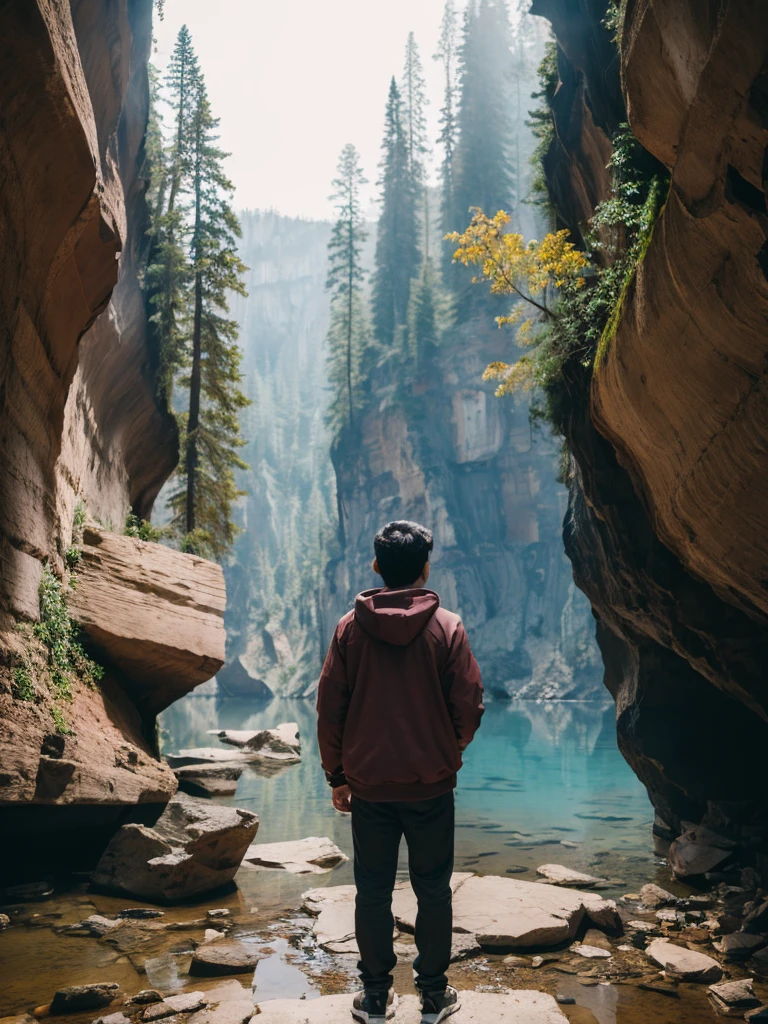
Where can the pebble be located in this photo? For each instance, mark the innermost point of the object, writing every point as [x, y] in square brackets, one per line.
[565, 1000]
[218, 913]
[147, 995]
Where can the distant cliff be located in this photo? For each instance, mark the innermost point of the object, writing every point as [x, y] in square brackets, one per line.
[474, 469]
[667, 525]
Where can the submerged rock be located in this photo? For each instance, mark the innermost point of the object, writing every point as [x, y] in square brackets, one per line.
[519, 1007]
[84, 997]
[283, 739]
[687, 964]
[501, 913]
[303, 856]
[194, 847]
[558, 874]
[224, 957]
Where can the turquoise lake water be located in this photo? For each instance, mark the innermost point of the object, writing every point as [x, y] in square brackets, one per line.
[538, 775]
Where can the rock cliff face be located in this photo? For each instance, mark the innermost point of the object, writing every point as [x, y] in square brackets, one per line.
[473, 469]
[80, 420]
[667, 526]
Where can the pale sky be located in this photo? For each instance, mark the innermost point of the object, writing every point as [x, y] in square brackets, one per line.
[294, 80]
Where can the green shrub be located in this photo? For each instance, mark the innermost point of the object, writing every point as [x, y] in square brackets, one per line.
[60, 722]
[67, 660]
[23, 685]
[141, 528]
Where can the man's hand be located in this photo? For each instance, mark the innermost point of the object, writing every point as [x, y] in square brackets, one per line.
[342, 796]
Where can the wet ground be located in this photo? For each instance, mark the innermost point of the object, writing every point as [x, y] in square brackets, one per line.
[543, 784]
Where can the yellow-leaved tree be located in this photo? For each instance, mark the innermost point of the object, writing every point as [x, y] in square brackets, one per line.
[541, 274]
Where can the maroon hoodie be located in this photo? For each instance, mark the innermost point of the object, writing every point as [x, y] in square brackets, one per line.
[400, 697]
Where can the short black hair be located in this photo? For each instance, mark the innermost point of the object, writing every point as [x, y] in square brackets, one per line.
[402, 550]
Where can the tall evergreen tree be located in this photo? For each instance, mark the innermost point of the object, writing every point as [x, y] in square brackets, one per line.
[413, 92]
[483, 173]
[347, 333]
[448, 54]
[397, 244]
[167, 276]
[202, 502]
[424, 316]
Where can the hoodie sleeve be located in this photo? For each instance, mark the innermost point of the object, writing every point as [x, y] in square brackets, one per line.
[463, 688]
[333, 697]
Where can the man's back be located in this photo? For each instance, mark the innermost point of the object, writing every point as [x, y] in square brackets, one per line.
[400, 696]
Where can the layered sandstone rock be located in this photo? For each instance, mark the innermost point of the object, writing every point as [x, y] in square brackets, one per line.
[155, 613]
[666, 525]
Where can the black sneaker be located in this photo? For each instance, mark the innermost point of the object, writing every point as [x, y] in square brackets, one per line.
[374, 1007]
[437, 1006]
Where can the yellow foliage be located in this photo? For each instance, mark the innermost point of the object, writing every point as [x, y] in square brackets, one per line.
[532, 271]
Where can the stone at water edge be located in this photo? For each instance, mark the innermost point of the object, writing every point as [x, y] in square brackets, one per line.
[519, 1007]
[147, 995]
[313, 855]
[283, 739]
[228, 1003]
[224, 957]
[501, 913]
[685, 963]
[209, 779]
[141, 913]
[592, 952]
[697, 851]
[654, 897]
[113, 1018]
[84, 997]
[195, 846]
[733, 995]
[558, 874]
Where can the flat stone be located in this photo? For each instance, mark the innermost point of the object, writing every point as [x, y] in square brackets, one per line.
[194, 847]
[84, 997]
[228, 1003]
[157, 1011]
[219, 913]
[654, 896]
[593, 952]
[224, 957]
[731, 996]
[558, 874]
[113, 1018]
[207, 756]
[519, 1007]
[697, 851]
[303, 856]
[141, 913]
[187, 1002]
[685, 963]
[209, 779]
[501, 913]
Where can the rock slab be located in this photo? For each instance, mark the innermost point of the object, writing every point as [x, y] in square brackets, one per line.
[156, 613]
[224, 957]
[558, 874]
[519, 1007]
[685, 963]
[194, 847]
[304, 856]
[501, 913]
[84, 997]
[209, 779]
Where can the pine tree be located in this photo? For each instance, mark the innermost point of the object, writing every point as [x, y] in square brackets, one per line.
[424, 317]
[397, 245]
[483, 173]
[413, 92]
[167, 274]
[202, 502]
[448, 53]
[347, 334]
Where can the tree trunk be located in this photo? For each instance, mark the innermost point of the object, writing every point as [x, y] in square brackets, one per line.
[350, 306]
[193, 422]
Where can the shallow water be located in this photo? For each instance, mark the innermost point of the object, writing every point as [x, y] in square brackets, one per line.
[538, 775]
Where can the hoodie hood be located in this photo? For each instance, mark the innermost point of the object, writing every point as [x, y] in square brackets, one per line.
[395, 616]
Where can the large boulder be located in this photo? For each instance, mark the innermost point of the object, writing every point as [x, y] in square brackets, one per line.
[155, 613]
[193, 847]
[501, 913]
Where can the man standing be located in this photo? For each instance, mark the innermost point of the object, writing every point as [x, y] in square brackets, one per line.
[400, 698]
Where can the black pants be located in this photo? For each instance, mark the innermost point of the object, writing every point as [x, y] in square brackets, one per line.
[428, 827]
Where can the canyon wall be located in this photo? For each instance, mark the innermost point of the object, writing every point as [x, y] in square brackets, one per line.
[666, 526]
[474, 469]
[80, 419]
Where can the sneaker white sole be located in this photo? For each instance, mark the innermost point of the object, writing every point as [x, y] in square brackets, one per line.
[435, 1018]
[363, 1017]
